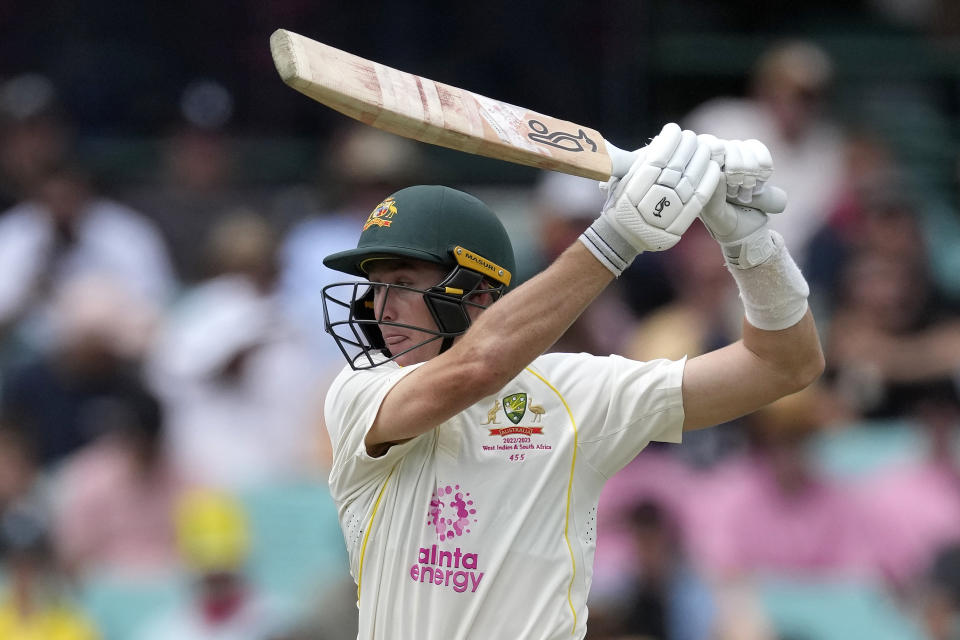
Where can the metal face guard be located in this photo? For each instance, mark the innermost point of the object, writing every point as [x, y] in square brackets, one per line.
[350, 318]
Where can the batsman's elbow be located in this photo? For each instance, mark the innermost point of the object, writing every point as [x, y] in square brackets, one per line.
[807, 370]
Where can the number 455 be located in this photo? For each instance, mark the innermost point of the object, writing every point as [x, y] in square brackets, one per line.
[517, 457]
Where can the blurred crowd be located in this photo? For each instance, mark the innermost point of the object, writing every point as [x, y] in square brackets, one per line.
[163, 365]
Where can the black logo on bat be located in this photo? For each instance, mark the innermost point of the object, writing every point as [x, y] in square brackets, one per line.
[561, 139]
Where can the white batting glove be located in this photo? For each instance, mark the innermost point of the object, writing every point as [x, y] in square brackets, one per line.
[740, 229]
[656, 201]
[746, 164]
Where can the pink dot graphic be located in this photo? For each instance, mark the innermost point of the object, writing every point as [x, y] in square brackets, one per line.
[450, 512]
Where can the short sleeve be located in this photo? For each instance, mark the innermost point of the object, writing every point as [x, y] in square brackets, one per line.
[620, 405]
[352, 404]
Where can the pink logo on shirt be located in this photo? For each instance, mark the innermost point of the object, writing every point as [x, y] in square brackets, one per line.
[451, 512]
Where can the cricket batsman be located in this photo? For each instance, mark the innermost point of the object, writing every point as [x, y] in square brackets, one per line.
[467, 464]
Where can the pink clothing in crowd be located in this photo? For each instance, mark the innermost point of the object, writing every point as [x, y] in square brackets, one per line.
[757, 527]
[111, 518]
[735, 518]
[913, 511]
[654, 475]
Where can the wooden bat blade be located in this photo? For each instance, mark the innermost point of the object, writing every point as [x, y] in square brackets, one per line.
[432, 112]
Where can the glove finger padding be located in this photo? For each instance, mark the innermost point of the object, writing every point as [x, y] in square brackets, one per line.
[748, 166]
[646, 169]
[661, 148]
[716, 146]
[694, 173]
[763, 158]
[733, 168]
[748, 177]
[663, 192]
[708, 184]
[673, 172]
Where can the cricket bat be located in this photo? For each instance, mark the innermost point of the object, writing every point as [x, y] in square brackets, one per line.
[436, 113]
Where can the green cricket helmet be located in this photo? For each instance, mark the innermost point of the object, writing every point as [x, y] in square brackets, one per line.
[435, 224]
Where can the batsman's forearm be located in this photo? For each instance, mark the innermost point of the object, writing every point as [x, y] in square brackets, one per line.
[523, 324]
[742, 377]
[502, 341]
[793, 356]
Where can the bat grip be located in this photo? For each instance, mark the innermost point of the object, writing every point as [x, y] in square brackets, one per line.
[620, 160]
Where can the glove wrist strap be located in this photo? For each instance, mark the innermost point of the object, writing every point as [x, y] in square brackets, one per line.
[608, 246]
[750, 251]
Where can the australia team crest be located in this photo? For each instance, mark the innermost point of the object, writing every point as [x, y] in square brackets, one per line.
[515, 406]
[382, 215]
[522, 411]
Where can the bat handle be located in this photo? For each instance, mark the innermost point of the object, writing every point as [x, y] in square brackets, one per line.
[620, 160]
[770, 200]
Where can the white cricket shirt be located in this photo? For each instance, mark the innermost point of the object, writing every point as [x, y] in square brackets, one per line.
[485, 527]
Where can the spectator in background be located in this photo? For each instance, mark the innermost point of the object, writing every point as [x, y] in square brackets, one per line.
[99, 333]
[772, 511]
[939, 595]
[116, 495]
[790, 82]
[914, 509]
[703, 315]
[660, 477]
[869, 177]
[665, 597]
[33, 136]
[19, 475]
[941, 222]
[34, 604]
[214, 541]
[65, 232]
[198, 183]
[235, 377]
[566, 205]
[890, 336]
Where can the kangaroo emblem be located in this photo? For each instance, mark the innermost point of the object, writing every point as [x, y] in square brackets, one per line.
[492, 414]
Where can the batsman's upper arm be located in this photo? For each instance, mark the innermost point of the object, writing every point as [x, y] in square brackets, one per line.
[431, 394]
[352, 405]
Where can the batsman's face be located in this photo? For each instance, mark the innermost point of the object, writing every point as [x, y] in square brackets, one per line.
[406, 307]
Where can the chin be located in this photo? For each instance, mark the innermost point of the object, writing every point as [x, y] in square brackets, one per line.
[418, 355]
[411, 358]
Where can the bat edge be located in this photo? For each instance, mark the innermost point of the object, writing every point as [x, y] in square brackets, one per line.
[284, 49]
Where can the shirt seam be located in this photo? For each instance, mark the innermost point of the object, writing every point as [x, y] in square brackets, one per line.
[633, 423]
[573, 465]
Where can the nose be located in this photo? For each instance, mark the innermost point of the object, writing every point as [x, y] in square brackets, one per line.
[381, 298]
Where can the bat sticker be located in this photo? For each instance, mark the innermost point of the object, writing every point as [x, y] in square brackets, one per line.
[560, 139]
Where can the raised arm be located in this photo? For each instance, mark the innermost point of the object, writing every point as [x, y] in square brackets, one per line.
[647, 210]
[780, 351]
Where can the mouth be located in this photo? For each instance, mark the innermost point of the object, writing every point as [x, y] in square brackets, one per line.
[393, 340]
